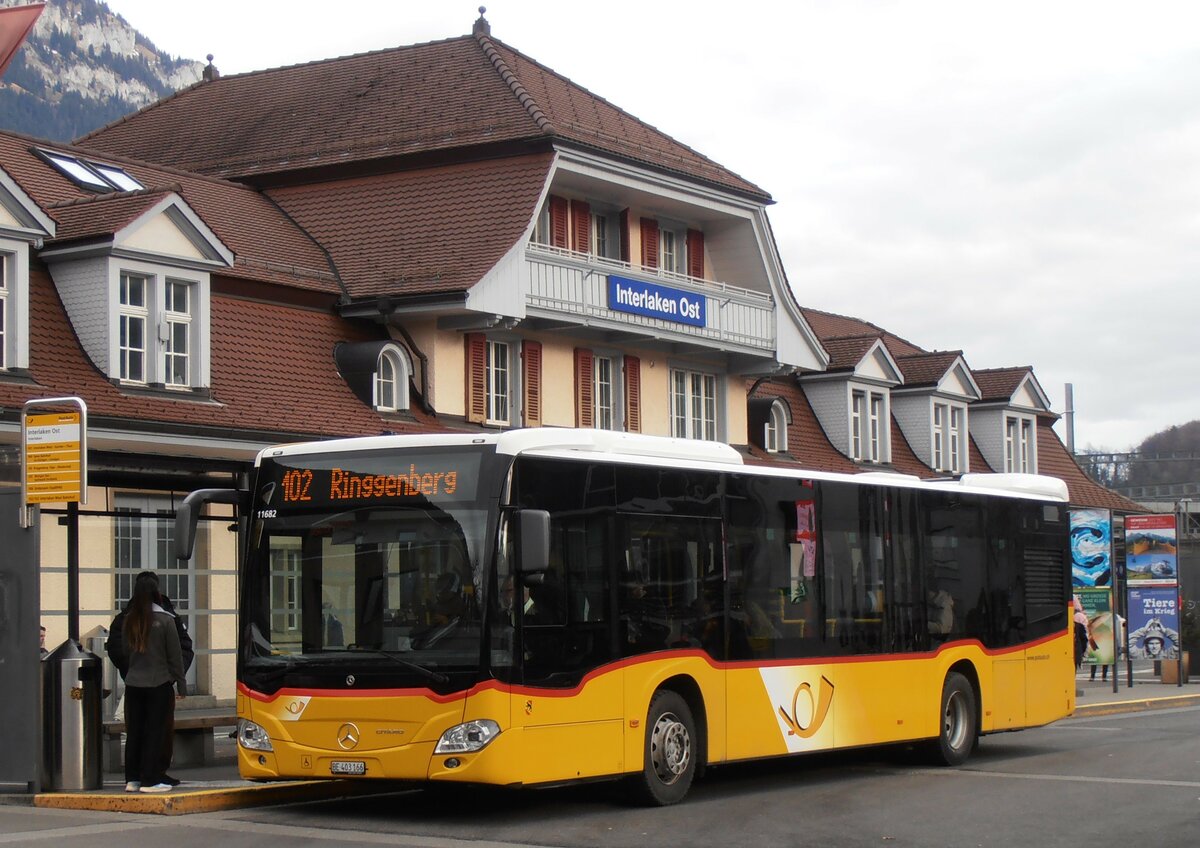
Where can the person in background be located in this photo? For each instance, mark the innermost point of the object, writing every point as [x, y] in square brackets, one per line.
[43, 642]
[155, 668]
[1081, 631]
[115, 648]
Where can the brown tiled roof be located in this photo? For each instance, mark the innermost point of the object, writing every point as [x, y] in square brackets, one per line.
[268, 247]
[1055, 460]
[100, 215]
[846, 352]
[1000, 383]
[251, 391]
[421, 231]
[926, 369]
[458, 93]
[978, 463]
[828, 325]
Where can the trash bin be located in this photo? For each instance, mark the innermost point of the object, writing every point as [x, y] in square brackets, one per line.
[71, 726]
[111, 685]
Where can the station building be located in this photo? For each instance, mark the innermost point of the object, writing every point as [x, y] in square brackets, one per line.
[440, 237]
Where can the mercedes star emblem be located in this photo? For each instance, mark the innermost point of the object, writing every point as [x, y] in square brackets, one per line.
[347, 736]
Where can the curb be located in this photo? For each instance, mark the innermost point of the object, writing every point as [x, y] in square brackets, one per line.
[1135, 706]
[211, 800]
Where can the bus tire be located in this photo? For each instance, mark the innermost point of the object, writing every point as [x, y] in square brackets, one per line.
[958, 722]
[669, 755]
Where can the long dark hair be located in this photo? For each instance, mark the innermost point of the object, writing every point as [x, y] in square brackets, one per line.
[140, 612]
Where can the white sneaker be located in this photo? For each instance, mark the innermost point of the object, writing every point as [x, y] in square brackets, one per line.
[158, 787]
[132, 786]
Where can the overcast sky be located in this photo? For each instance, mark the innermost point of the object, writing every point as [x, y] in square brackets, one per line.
[1018, 180]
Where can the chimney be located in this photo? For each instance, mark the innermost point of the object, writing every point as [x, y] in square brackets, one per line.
[482, 27]
[210, 70]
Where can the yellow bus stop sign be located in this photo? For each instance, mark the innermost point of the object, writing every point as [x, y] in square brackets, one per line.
[53, 467]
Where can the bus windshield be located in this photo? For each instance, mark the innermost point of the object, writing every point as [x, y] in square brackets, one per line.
[373, 559]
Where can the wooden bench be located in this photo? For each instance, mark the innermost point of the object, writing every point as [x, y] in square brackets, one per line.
[193, 737]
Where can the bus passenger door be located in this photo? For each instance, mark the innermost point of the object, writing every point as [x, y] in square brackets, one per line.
[569, 706]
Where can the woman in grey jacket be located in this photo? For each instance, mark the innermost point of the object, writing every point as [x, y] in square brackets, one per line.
[155, 666]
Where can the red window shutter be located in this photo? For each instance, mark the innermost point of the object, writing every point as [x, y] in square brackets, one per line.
[695, 254]
[633, 394]
[581, 226]
[531, 380]
[584, 401]
[476, 377]
[649, 243]
[558, 221]
[625, 257]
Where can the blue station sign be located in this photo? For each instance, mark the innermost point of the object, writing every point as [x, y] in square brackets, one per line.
[655, 301]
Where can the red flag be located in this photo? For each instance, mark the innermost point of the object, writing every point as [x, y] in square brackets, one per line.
[15, 25]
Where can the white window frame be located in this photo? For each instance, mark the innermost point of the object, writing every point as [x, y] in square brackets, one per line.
[394, 358]
[775, 435]
[160, 324]
[1020, 445]
[669, 250]
[869, 425]
[600, 243]
[694, 404]
[949, 441]
[5, 310]
[605, 376]
[176, 321]
[499, 385]
[129, 315]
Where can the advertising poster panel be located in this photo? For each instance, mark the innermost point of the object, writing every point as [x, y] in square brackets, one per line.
[1091, 547]
[1151, 557]
[1097, 605]
[1154, 623]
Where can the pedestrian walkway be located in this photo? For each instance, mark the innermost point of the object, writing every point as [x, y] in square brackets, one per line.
[202, 789]
[1148, 692]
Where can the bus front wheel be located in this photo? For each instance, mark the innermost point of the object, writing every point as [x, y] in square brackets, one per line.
[958, 720]
[669, 761]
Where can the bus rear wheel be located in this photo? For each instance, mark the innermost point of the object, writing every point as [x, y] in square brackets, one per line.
[959, 729]
[669, 757]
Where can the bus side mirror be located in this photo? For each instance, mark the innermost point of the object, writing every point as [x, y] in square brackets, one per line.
[188, 515]
[533, 541]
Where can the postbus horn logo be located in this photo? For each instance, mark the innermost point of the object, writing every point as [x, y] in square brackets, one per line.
[820, 709]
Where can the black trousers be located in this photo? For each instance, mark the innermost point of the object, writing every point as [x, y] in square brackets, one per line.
[147, 710]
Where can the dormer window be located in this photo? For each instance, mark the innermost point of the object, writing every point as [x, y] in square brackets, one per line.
[949, 437]
[1019, 446]
[155, 333]
[868, 422]
[775, 437]
[391, 380]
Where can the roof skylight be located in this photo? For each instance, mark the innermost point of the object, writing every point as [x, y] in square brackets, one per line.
[93, 175]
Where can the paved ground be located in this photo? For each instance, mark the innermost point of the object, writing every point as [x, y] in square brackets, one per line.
[219, 787]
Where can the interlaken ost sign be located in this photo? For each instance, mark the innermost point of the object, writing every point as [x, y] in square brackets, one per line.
[655, 301]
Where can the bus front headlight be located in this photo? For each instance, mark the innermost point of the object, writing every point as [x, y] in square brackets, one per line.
[253, 737]
[468, 737]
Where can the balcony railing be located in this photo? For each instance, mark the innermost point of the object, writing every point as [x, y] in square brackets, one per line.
[576, 285]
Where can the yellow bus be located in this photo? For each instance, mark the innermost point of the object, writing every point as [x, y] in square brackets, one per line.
[543, 606]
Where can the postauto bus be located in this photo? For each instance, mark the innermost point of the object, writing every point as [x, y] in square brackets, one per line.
[543, 606]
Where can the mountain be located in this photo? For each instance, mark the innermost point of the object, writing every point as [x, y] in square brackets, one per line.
[82, 67]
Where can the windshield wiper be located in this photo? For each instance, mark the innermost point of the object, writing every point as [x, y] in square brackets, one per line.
[428, 673]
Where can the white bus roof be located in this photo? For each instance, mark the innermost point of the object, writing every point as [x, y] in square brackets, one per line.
[690, 453]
